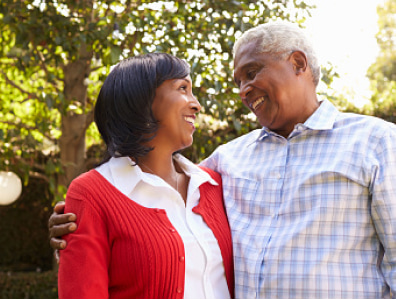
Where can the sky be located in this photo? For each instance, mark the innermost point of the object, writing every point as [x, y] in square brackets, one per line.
[344, 32]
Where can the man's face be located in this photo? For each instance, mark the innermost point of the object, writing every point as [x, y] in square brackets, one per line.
[272, 89]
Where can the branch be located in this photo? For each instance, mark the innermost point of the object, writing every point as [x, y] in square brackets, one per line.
[12, 83]
[30, 163]
[44, 67]
[28, 128]
[89, 119]
[96, 68]
[38, 175]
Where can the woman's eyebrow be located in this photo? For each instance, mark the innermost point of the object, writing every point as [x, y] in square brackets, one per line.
[184, 79]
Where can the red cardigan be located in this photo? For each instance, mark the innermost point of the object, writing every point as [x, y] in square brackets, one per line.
[124, 250]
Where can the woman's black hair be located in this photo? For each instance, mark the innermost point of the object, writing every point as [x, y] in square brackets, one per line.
[123, 112]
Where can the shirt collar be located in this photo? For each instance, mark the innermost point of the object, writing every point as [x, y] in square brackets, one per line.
[126, 175]
[192, 169]
[323, 118]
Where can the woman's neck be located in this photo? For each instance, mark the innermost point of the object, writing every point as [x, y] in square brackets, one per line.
[161, 165]
[166, 168]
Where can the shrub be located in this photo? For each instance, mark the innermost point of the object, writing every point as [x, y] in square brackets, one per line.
[29, 285]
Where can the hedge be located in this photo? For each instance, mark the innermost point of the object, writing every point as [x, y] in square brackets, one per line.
[29, 285]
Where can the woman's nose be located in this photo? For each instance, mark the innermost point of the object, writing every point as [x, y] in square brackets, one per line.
[195, 105]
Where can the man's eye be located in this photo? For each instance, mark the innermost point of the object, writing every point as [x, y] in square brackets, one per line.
[251, 74]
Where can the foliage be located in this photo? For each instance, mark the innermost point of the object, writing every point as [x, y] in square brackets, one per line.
[30, 285]
[54, 54]
[382, 73]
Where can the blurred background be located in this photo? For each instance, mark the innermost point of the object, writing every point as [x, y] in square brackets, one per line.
[55, 54]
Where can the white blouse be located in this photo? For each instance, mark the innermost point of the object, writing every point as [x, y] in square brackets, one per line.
[205, 275]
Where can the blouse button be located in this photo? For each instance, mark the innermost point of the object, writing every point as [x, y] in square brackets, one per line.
[172, 230]
[157, 210]
[181, 258]
[179, 290]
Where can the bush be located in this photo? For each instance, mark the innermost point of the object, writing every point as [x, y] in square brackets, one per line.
[29, 285]
[24, 232]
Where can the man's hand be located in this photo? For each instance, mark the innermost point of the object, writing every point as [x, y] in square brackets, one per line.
[60, 224]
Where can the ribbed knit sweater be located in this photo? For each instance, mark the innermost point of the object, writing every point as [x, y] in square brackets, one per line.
[124, 250]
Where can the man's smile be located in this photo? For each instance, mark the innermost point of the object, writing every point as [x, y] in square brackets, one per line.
[256, 103]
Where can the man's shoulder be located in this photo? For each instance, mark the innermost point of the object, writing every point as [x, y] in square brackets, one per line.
[231, 150]
[366, 123]
[243, 140]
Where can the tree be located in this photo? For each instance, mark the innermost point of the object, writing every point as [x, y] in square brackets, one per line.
[382, 73]
[54, 55]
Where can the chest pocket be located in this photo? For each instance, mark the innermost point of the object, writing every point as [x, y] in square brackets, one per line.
[240, 195]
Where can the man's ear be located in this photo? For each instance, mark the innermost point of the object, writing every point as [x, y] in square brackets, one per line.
[299, 61]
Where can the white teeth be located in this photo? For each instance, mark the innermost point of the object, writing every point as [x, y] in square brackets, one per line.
[189, 119]
[256, 103]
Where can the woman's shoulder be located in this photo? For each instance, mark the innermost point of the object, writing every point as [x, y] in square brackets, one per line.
[87, 179]
[87, 185]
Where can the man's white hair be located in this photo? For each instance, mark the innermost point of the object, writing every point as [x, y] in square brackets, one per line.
[281, 38]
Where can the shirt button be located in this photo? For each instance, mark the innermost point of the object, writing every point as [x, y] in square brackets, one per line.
[172, 230]
[179, 290]
[181, 258]
[157, 210]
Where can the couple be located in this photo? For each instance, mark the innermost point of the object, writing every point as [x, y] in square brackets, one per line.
[310, 198]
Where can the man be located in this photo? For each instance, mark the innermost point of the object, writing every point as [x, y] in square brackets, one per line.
[310, 197]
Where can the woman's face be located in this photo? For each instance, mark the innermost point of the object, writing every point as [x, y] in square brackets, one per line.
[175, 107]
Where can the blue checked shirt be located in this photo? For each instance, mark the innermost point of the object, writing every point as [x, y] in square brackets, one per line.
[313, 215]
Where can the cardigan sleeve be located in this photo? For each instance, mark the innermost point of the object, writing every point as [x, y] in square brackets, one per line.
[83, 267]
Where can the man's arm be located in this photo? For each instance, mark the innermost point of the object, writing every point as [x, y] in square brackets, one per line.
[60, 224]
[383, 211]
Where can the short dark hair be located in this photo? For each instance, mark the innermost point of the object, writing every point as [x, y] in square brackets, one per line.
[123, 112]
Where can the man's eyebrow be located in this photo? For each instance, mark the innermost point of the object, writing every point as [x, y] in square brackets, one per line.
[237, 82]
[249, 65]
[244, 68]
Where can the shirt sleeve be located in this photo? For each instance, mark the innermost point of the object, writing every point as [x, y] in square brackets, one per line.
[383, 189]
[211, 161]
[83, 267]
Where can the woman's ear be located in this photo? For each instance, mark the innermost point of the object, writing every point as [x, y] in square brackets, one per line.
[299, 61]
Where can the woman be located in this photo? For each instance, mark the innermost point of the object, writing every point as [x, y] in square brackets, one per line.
[150, 224]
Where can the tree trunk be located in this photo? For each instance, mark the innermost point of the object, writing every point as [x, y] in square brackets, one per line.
[74, 125]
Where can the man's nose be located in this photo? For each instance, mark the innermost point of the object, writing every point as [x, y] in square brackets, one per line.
[244, 89]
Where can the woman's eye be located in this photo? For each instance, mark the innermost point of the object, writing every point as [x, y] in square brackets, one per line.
[183, 87]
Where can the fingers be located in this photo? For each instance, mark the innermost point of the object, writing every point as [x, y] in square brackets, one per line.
[60, 224]
[56, 219]
[57, 231]
[57, 244]
[59, 207]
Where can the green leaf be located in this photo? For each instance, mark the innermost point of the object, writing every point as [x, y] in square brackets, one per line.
[115, 54]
